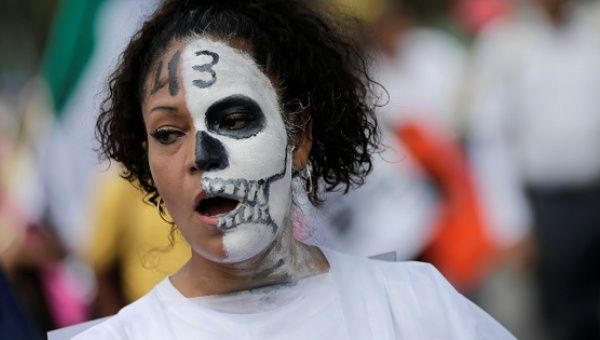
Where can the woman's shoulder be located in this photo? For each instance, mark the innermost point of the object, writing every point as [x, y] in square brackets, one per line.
[418, 298]
[391, 271]
[139, 317]
[409, 277]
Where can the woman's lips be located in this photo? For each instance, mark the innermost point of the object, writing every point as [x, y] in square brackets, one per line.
[212, 209]
[211, 222]
[216, 206]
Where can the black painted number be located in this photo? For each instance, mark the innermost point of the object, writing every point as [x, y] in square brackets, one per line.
[206, 68]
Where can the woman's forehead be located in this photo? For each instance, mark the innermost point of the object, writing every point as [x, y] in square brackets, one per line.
[178, 45]
[212, 70]
[199, 71]
[164, 69]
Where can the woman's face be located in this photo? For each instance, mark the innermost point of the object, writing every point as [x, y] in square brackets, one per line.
[217, 148]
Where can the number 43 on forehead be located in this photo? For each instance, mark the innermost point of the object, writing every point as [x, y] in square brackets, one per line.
[206, 68]
[172, 73]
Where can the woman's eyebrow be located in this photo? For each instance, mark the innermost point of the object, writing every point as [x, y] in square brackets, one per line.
[164, 108]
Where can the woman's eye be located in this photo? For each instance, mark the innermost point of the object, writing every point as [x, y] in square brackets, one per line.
[166, 136]
[236, 121]
[236, 116]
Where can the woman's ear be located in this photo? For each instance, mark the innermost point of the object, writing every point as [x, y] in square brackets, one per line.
[303, 147]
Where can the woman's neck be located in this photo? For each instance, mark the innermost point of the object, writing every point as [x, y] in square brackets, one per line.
[286, 260]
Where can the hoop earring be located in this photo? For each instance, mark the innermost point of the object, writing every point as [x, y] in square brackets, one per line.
[306, 174]
[161, 212]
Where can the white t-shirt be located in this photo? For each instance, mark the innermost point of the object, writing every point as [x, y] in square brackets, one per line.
[357, 299]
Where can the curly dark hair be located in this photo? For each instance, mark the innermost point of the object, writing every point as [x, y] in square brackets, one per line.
[319, 73]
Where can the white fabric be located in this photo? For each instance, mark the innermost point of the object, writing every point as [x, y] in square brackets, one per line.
[356, 299]
[536, 110]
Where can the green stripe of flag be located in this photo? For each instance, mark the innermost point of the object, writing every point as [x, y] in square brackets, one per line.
[70, 47]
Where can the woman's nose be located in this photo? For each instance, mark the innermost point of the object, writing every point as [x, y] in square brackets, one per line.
[210, 153]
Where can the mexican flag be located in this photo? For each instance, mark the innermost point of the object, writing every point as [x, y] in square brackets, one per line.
[85, 42]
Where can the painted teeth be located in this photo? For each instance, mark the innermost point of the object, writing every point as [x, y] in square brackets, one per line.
[248, 213]
[261, 197]
[258, 213]
[243, 189]
[252, 194]
[264, 211]
[238, 219]
[207, 184]
[229, 189]
[217, 186]
[227, 223]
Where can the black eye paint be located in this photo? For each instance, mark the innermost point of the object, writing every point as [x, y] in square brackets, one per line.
[173, 85]
[235, 116]
[206, 68]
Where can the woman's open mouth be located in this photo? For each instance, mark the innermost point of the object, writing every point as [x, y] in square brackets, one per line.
[216, 206]
[228, 203]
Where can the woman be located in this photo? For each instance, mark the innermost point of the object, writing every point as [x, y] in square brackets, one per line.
[217, 109]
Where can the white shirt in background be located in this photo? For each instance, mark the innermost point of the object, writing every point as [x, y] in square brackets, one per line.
[536, 110]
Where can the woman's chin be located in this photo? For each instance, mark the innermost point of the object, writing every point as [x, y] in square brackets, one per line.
[243, 243]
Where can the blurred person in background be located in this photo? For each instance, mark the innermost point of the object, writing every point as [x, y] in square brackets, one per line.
[83, 45]
[419, 201]
[55, 205]
[53, 168]
[44, 276]
[84, 205]
[29, 255]
[14, 324]
[131, 248]
[475, 15]
[536, 138]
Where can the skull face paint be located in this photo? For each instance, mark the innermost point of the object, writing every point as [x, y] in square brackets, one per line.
[240, 147]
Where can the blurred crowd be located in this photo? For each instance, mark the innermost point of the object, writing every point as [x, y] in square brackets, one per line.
[489, 168]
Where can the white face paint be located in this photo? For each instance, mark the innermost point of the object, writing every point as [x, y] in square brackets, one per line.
[244, 159]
